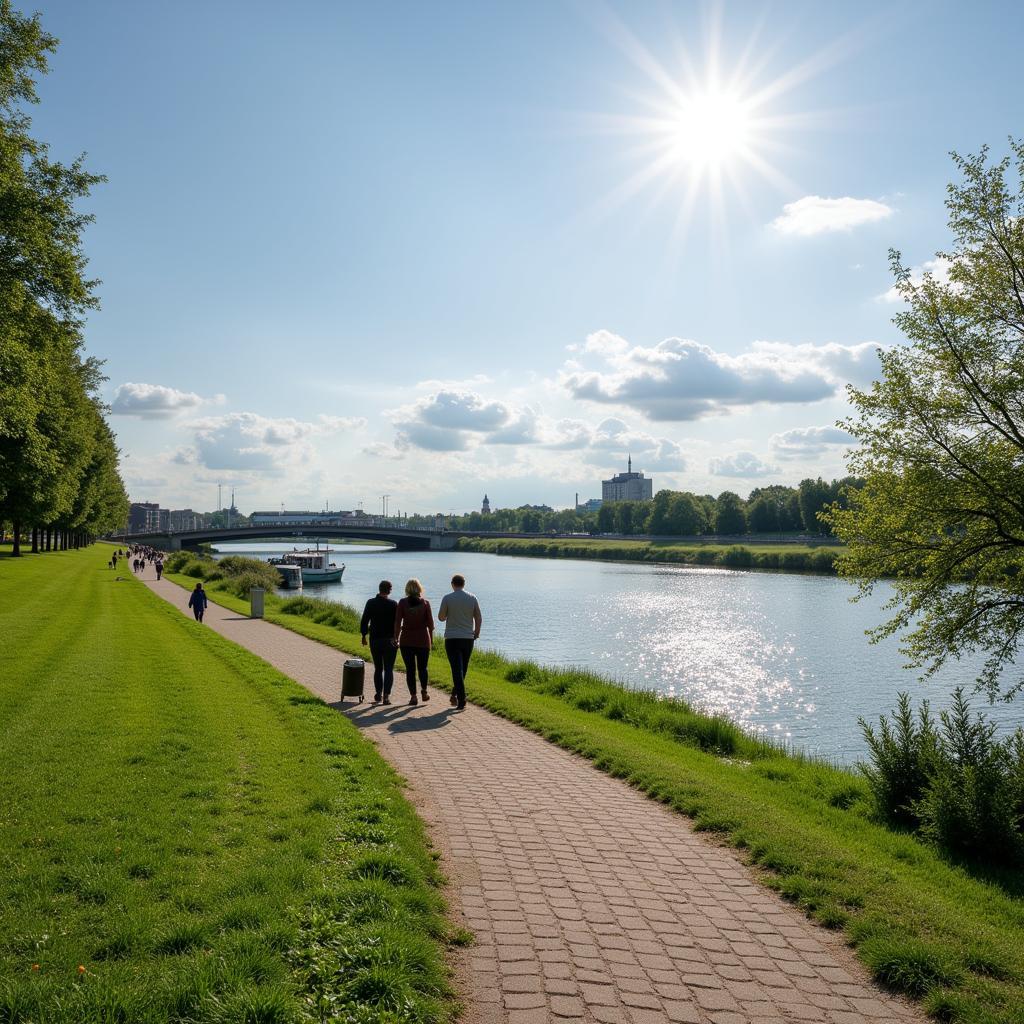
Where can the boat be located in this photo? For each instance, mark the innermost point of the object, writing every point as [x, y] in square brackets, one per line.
[291, 575]
[314, 563]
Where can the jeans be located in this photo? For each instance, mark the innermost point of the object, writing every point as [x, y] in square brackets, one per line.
[459, 652]
[383, 653]
[415, 659]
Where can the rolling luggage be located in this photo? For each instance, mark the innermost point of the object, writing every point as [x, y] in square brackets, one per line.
[352, 675]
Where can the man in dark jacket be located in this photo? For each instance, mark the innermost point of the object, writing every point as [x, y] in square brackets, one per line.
[198, 601]
[379, 621]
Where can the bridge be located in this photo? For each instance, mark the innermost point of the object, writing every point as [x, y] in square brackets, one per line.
[403, 538]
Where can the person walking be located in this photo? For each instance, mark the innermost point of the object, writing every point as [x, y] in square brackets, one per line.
[414, 632]
[460, 613]
[198, 601]
[159, 569]
[379, 622]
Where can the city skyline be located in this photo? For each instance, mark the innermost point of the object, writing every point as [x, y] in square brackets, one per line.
[432, 253]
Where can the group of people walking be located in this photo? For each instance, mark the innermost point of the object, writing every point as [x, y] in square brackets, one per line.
[408, 626]
[140, 554]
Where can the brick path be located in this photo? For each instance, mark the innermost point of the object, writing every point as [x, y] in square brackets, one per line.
[588, 901]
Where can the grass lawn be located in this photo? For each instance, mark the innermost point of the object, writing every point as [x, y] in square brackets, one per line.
[186, 834]
[748, 555]
[944, 933]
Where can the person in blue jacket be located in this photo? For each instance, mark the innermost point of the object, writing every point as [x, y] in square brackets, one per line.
[198, 601]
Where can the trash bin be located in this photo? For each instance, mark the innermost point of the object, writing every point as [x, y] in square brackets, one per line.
[352, 675]
[256, 603]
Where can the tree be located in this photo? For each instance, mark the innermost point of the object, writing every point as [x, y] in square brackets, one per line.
[942, 441]
[44, 448]
[814, 495]
[686, 516]
[730, 514]
[763, 514]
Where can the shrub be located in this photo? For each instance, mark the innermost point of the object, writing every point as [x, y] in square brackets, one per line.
[969, 807]
[903, 755]
[737, 555]
[959, 786]
[823, 561]
[241, 584]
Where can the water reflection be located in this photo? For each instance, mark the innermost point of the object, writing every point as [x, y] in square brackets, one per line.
[782, 654]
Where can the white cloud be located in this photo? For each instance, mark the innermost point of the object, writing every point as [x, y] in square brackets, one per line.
[839, 364]
[802, 442]
[462, 410]
[154, 401]
[249, 441]
[613, 437]
[741, 464]
[937, 268]
[815, 215]
[679, 379]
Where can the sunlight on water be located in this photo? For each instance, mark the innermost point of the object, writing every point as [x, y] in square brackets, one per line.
[782, 654]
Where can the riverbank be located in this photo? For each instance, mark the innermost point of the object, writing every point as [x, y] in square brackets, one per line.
[188, 833]
[788, 557]
[943, 933]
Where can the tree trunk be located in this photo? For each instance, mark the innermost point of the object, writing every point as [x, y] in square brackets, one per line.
[16, 552]
[48, 538]
[35, 540]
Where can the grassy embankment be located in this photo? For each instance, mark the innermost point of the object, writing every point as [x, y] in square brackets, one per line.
[188, 835]
[789, 557]
[947, 934]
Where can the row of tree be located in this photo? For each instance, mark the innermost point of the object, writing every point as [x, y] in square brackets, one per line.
[775, 509]
[59, 478]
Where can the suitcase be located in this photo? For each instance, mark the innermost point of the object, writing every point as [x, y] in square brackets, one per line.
[353, 673]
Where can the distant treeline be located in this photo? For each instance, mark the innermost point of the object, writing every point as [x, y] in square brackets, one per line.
[801, 558]
[766, 510]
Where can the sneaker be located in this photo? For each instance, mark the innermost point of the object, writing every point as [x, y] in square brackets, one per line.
[460, 707]
[386, 700]
[424, 695]
[413, 700]
[454, 701]
[376, 698]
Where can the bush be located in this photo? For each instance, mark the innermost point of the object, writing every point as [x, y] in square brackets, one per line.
[958, 786]
[327, 613]
[971, 807]
[256, 574]
[737, 555]
[903, 757]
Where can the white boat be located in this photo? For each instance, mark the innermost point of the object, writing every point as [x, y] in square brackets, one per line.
[315, 564]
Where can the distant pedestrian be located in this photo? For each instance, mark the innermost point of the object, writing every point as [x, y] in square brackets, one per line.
[414, 631]
[379, 622]
[198, 601]
[159, 569]
[460, 613]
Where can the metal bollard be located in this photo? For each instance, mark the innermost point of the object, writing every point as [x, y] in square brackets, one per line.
[256, 602]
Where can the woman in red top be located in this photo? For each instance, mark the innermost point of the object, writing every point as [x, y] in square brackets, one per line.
[414, 631]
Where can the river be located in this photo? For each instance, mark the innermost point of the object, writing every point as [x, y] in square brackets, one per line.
[783, 654]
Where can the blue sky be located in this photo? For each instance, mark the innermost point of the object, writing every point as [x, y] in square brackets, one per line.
[354, 249]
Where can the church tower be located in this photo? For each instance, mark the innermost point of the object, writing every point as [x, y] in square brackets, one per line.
[485, 508]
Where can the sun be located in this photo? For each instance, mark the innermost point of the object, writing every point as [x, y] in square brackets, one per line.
[704, 127]
[709, 130]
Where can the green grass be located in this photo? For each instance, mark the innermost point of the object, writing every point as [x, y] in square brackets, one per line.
[939, 932]
[188, 835]
[749, 555]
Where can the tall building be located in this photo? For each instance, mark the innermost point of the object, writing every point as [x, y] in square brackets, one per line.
[628, 486]
[144, 517]
[485, 508]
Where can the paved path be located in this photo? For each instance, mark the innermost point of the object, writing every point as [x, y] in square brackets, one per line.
[589, 902]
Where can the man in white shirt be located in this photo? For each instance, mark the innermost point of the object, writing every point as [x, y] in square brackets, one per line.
[460, 613]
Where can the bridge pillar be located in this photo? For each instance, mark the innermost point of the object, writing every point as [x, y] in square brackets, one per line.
[442, 542]
[174, 544]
